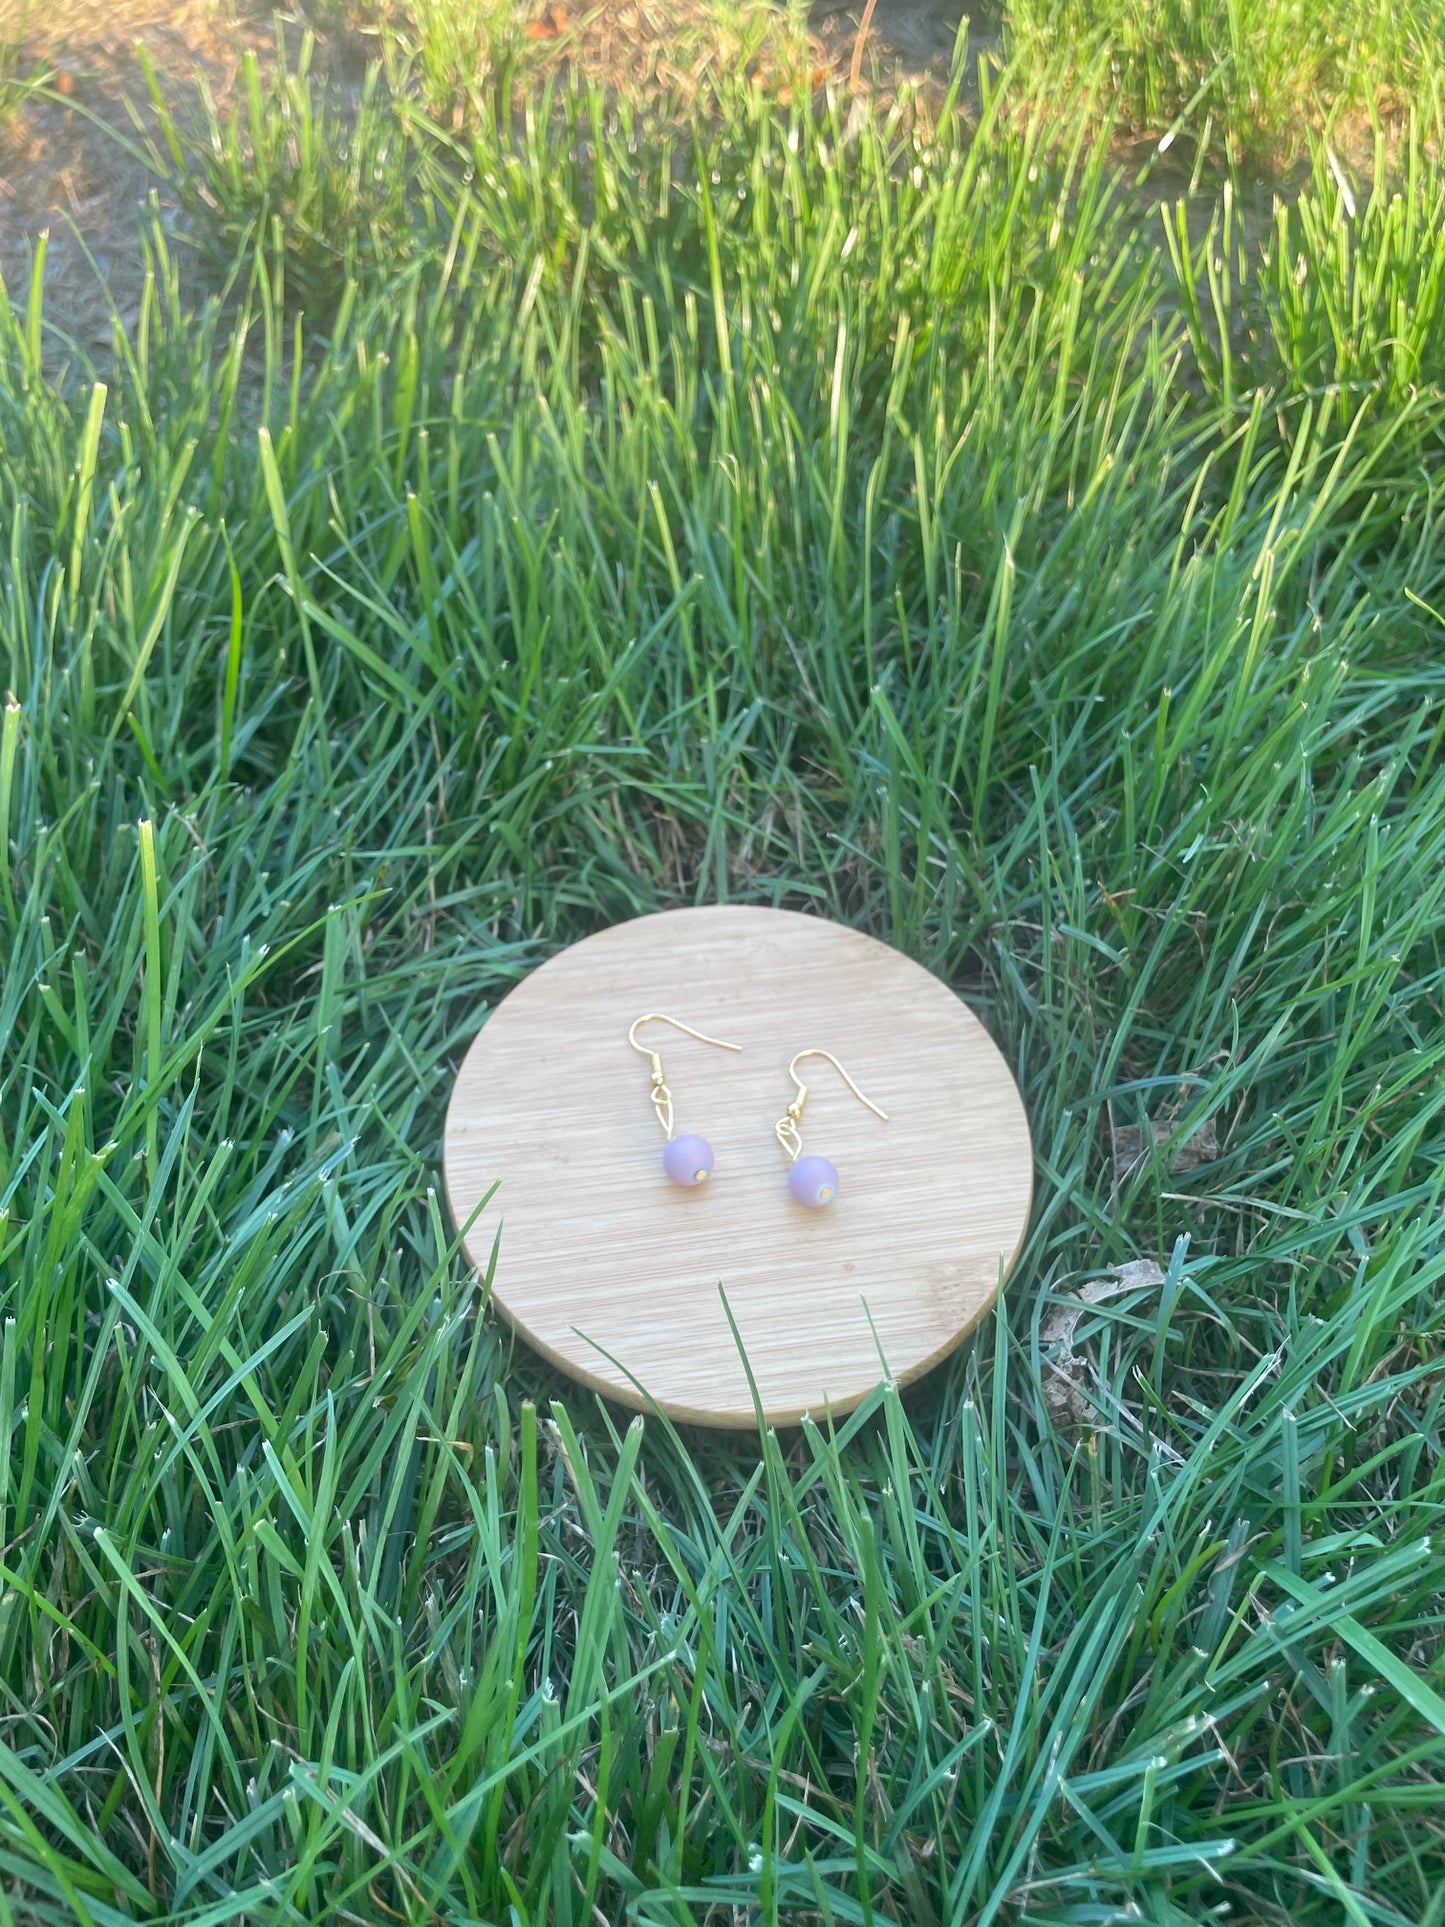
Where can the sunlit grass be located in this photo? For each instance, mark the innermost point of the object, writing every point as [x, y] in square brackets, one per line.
[453, 49]
[1253, 77]
[325, 182]
[853, 512]
[21, 80]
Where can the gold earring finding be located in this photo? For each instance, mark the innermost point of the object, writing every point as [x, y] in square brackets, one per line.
[687, 1160]
[813, 1180]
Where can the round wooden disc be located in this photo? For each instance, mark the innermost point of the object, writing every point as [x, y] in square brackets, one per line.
[618, 1276]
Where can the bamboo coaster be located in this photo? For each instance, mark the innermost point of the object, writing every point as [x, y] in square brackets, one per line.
[617, 1275]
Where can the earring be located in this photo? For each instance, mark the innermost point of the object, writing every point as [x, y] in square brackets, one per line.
[688, 1159]
[813, 1181]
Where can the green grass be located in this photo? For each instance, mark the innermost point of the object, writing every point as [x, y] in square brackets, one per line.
[856, 517]
[1339, 309]
[324, 182]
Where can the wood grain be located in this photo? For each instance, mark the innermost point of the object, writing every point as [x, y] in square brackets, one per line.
[617, 1276]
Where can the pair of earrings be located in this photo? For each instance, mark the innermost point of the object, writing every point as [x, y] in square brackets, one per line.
[688, 1159]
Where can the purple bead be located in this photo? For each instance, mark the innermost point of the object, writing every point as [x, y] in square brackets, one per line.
[813, 1181]
[687, 1160]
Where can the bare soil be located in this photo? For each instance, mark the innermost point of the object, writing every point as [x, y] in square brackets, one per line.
[73, 165]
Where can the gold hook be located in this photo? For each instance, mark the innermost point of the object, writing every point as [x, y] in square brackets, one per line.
[786, 1128]
[661, 1095]
[657, 1017]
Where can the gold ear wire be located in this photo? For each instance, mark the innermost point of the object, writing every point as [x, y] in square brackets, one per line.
[786, 1128]
[661, 1095]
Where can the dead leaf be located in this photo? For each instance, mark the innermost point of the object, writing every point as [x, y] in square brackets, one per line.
[855, 69]
[1065, 1373]
[550, 23]
[1132, 1147]
[782, 87]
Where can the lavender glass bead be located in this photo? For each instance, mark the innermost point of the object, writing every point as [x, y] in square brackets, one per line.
[687, 1160]
[813, 1181]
